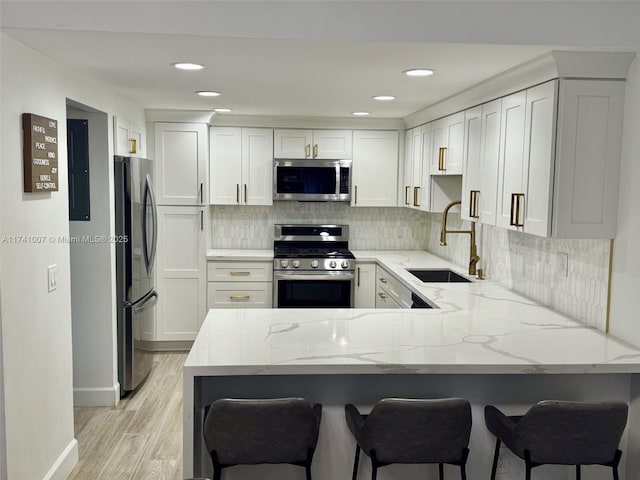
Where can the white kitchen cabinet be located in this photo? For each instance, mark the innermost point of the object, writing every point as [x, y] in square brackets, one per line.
[560, 166]
[390, 292]
[241, 166]
[481, 160]
[181, 273]
[181, 159]
[447, 142]
[413, 168]
[365, 285]
[375, 168]
[320, 144]
[239, 284]
[128, 138]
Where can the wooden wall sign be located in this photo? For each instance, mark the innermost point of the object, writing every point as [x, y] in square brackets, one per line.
[40, 153]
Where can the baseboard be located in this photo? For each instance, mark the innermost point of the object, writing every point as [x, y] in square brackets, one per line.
[96, 397]
[65, 463]
[167, 345]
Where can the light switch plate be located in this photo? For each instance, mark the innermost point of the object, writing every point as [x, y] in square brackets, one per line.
[52, 277]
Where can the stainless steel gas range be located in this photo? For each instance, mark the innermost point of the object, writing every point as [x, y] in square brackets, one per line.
[312, 267]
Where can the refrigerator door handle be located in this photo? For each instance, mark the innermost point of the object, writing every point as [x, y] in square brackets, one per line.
[148, 300]
[150, 253]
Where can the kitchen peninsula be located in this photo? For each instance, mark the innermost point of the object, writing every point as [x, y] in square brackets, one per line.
[485, 343]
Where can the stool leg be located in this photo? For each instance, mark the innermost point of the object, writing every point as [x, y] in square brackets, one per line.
[496, 453]
[577, 472]
[441, 471]
[616, 462]
[355, 463]
[527, 463]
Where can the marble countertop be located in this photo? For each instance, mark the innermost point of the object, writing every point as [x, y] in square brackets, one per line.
[480, 327]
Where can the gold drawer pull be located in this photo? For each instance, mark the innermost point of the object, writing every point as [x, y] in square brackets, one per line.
[473, 203]
[383, 280]
[516, 200]
[416, 190]
[406, 195]
[315, 150]
[441, 158]
[239, 297]
[307, 152]
[383, 295]
[239, 274]
[133, 145]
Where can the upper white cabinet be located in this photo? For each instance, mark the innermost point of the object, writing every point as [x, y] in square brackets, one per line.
[481, 160]
[559, 159]
[310, 144]
[413, 166]
[447, 141]
[128, 138]
[375, 168]
[181, 158]
[241, 166]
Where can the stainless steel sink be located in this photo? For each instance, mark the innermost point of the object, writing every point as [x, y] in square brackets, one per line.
[438, 275]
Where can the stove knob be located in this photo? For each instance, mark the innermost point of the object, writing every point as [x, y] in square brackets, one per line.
[332, 264]
[284, 263]
[314, 263]
[345, 263]
[296, 264]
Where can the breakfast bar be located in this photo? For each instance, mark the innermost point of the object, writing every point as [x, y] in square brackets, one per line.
[484, 343]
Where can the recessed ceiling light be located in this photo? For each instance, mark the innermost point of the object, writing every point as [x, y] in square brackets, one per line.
[418, 72]
[384, 98]
[360, 114]
[188, 66]
[222, 110]
[208, 93]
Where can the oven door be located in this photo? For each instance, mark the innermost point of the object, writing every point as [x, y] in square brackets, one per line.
[313, 289]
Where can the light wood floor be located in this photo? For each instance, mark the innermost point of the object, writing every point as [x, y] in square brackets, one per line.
[141, 438]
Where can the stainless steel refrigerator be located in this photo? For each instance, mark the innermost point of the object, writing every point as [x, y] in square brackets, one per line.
[136, 240]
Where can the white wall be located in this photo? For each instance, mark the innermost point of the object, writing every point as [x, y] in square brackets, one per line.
[93, 279]
[625, 302]
[36, 325]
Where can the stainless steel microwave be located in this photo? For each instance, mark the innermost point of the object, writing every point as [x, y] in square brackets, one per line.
[312, 180]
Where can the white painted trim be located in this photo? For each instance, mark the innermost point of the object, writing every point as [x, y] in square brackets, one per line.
[96, 397]
[65, 463]
[167, 345]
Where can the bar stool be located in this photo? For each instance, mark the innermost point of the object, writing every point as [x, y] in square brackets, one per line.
[251, 432]
[561, 433]
[412, 431]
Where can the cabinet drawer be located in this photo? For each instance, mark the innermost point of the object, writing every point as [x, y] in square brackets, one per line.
[384, 300]
[236, 295]
[393, 288]
[240, 271]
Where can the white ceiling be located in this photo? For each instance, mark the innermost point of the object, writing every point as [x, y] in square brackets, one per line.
[277, 71]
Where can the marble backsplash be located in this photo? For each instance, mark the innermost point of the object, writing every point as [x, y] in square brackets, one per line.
[525, 263]
[530, 265]
[369, 228]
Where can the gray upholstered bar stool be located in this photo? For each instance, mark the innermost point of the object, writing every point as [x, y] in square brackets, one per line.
[561, 433]
[402, 430]
[251, 432]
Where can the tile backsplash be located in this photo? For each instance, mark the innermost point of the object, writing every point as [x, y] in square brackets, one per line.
[534, 266]
[369, 228]
[525, 263]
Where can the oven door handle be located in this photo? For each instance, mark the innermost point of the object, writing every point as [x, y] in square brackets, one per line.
[316, 276]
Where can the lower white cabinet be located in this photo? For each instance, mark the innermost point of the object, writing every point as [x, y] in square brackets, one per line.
[365, 285]
[181, 274]
[239, 284]
[390, 292]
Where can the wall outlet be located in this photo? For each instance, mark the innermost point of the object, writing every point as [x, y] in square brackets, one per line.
[52, 277]
[563, 264]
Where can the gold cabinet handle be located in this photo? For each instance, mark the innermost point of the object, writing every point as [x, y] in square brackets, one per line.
[406, 195]
[315, 151]
[237, 193]
[234, 298]
[517, 199]
[355, 200]
[383, 280]
[416, 190]
[201, 220]
[441, 159]
[382, 295]
[473, 203]
[201, 193]
[133, 145]
[245, 193]
[308, 150]
[358, 276]
[239, 274]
